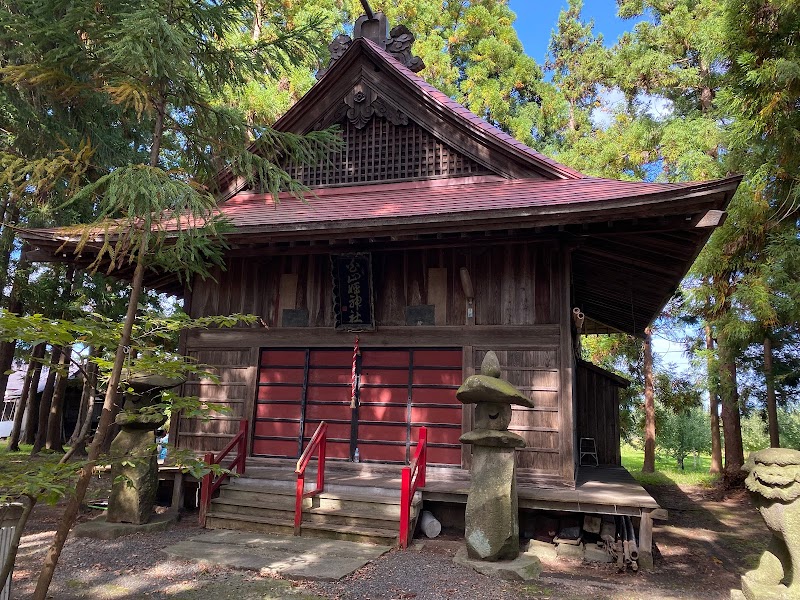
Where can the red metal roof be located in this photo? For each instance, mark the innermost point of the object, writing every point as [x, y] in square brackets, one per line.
[468, 116]
[439, 200]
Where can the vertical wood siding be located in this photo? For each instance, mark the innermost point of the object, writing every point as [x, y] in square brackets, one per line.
[536, 374]
[236, 370]
[515, 284]
[597, 413]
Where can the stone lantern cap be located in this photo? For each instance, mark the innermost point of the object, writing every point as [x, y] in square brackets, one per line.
[488, 387]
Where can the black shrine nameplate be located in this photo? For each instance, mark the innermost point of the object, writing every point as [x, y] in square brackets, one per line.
[352, 292]
[424, 314]
[295, 317]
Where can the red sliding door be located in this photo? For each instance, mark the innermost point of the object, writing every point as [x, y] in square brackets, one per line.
[397, 391]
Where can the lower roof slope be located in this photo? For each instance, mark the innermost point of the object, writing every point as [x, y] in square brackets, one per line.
[631, 242]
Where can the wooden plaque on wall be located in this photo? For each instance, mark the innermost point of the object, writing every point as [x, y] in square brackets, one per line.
[352, 291]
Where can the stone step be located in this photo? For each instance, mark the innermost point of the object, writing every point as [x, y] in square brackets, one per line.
[226, 520]
[377, 495]
[359, 504]
[334, 516]
[267, 467]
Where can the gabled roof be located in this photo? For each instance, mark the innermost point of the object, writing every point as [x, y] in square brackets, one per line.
[365, 62]
[631, 242]
[471, 120]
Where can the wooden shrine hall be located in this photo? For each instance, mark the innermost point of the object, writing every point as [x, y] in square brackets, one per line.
[428, 238]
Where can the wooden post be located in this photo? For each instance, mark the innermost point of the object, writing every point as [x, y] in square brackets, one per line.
[205, 490]
[177, 493]
[646, 541]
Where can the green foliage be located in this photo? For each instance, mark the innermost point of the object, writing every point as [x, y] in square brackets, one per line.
[578, 62]
[149, 350]
[667, 472]
[145, 212]
[682, 433]
[755, 435]
[42, 478]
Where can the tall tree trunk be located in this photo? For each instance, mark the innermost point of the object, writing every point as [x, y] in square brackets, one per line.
[15, 306]
[731, 415]
[713, 405]
[47, 398]
[13, 440]
[71, 510]
[649, 465]
[55, 421]
[258, 19]
[87, 393]
[10, 216]
[772, 407]
[89, 387]
[33, 408]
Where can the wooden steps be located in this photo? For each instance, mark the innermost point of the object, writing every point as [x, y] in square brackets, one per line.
[263, 501]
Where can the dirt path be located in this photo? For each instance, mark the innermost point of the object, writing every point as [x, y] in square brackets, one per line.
[700, 554]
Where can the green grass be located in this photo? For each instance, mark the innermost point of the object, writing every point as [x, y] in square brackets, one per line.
[667, 471]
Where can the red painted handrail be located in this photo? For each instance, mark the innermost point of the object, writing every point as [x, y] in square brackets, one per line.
[209, 484]
[413, 478]
[318, 442]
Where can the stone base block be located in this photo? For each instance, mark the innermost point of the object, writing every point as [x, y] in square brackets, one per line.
[737, 595]
[595, 553]
[522, 568]
[645, 561]
[756, 590]
[570, 551]
[100, 529]
[542, 550]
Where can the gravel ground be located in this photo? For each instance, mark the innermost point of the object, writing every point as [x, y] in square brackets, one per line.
[701, 553]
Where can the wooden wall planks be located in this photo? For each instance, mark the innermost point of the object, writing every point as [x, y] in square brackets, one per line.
[521, 311]
[514, 285]
[597, 414]
[536, 373]
[236, 370]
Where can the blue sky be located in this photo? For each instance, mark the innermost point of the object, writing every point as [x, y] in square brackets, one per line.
[537, 18]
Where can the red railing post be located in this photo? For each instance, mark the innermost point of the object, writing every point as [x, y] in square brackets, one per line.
[298, 501]
[321, 463]
[243, 427]
[413, 477]
[208, 485]
[405, 506]
[423, 457]
[317, 442]
[205, 490]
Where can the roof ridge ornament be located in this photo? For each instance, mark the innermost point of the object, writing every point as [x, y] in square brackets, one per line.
[375, 26]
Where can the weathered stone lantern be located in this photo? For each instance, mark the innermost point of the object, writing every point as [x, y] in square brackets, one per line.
[492, 514]
[134, 467]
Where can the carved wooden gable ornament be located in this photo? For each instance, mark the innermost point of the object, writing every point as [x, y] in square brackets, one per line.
[362, 103]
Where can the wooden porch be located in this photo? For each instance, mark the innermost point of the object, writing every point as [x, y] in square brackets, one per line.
[605, 490]
[602, 490]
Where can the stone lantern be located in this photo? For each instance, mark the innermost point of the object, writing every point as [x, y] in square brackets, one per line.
[134, 467]
[492, 514]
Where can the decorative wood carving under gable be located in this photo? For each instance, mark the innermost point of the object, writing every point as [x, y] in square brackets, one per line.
[383, 145]
[362, 103]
